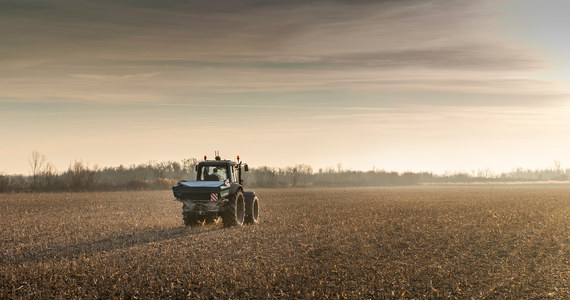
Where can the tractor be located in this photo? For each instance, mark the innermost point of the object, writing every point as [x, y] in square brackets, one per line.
[217, 192]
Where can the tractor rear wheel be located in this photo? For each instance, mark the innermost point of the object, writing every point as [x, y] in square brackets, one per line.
[234, 210]
[251, 209]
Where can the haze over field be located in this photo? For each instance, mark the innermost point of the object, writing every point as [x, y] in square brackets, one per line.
[399, 85]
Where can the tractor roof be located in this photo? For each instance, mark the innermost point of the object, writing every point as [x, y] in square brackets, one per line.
[217, 162]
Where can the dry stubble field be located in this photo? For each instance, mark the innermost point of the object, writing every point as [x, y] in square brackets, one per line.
[420, 242]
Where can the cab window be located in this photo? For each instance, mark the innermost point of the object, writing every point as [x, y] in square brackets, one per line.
[213, 173]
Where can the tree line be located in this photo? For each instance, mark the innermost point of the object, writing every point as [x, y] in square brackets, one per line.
[80, 176]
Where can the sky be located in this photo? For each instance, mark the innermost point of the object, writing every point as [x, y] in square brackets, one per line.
[410, 85]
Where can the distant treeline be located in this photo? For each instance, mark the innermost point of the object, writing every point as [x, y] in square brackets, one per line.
[162, 175]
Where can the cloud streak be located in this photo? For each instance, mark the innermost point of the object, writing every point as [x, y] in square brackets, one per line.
[252, 46]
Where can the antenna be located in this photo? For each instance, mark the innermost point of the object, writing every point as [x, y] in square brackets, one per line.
[218, 155]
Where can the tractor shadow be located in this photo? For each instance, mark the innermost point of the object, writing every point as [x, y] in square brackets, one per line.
[86, 249]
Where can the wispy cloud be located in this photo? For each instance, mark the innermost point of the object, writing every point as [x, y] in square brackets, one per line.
[115, 77]
[144, 50]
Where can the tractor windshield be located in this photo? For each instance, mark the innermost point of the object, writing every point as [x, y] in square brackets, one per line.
[213, 173]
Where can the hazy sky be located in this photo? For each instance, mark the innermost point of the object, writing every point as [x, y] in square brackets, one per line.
[396, 85]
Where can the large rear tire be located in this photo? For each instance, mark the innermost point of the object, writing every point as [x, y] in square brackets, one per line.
[251, 208]
[234, 210]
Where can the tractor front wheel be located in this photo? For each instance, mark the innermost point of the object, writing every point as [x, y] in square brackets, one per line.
[251, 209]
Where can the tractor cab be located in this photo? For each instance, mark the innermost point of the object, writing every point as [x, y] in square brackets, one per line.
[220, 170]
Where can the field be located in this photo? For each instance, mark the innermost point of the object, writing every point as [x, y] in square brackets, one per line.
[421, 242]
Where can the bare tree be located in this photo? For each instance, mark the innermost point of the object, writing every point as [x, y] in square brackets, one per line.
[189, 167]
[82, 177]
[49, 176]
[557, 166]
[4, 183]
[36, 162]
[298, 172]
[485, 173]
[339, 167]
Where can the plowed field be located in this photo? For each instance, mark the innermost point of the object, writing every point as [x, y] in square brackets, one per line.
[421, 242]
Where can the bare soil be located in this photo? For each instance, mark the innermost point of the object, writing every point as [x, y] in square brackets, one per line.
[421, 242]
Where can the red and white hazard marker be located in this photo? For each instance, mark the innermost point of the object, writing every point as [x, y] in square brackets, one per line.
[214, 197]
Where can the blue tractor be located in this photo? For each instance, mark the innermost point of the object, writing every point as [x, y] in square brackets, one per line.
[217, 192]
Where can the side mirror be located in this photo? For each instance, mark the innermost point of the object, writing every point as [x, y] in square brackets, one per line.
[246, 168]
